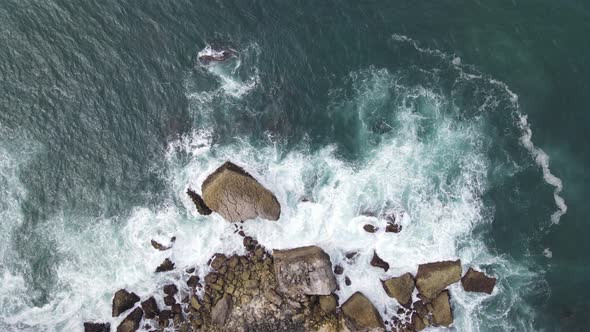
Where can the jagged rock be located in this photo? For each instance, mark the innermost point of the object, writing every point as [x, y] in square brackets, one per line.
[328, 303]
[393, 228]
[122, 301]
[169, 300]
[166, 265]
[170, 289]
[221, 311]
[202, 208]
[97, 327]
[370, 228]
[305, 270]
[236, 195]
[162, 247]
[432, 278]
[418, 322]
[441, 309]
[131, 322]
[150, 308]
[475, 281]
[338, 269]
[361, 315]
[378, 262]
[400, 288]
[192, 281]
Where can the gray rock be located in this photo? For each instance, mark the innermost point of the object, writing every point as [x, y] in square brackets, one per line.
[304, 270]
[221, 311]
[236, 195]
[475, 281]
[97, 327]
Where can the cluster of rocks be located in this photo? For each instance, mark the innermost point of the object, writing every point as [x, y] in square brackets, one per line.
[282, 290]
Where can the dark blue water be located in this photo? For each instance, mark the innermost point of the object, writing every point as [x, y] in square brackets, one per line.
[94, 96]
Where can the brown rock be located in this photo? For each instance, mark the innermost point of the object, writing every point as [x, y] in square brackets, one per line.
[170, 289]
[393, 228]
[370, 228]
[221, 311]
[122, 301]
[97, 327]
[433, 278]
[169, 300]
[441, 309]
[166, 265]
[361, 315]
[150, 308]
[400, 288]
[236, 195]
[305, 270]
[218, 261]
[378, 262]
[159, 246]
[328, 303]
[202, 208]
[418, 322]
[192, 281]
[131, 322]
[338, 269]
[475, 281]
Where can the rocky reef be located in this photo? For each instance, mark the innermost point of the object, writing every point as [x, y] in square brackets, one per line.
[282, 290]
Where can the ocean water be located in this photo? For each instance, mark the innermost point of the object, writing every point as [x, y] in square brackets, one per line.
[467, 119]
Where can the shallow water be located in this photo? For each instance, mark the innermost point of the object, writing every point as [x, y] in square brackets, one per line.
[460, 117]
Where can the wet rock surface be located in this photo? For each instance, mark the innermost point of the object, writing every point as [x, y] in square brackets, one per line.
[475, 281]
[97, 327]
[131, 322]
[433, 278]
[202, 208]
[359, 314]
[376, 261]
[400, 288]
[123, 301]
[236, 195]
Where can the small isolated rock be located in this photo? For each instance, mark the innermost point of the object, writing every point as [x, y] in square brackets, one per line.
[347, 281]
[202, 208]
[305, 270]
[97, 327]
[400, 288]
[441, 309]
[338, 269]
[237, 196]
[150, 308]
[433, 278]
[192, 281]
[166, 265]
[378, 262]
[361, 315]
[393, 228]
[131, 322]
[351, 255]
[475, 281]
[169, 300]
[122, 301]
[170, 289]
[221, 311]
[370, 228]
[328, 303]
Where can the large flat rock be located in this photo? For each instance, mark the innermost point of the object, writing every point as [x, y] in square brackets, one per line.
[237, 196]
[433, 278]
[305, 270]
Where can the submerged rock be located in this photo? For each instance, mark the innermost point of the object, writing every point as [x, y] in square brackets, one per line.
[376, 261]
[305, 270]
[400, 288]
[166, 265]
[162, 247]
[131, 322]
[123, 301]
[370, 228]
[393, 228]
[202, 208]
[361, 315]
[433, 278]
[97, 327]
[236, 195]
[475, 281]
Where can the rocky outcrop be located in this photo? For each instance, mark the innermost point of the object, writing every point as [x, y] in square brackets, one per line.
[376, 261]
[475, 281]
[400, 288]
[221, 311]
[237, 196]
[166, 265]
[97, 327]
[305, 270]
[123, 301]
[202, 208]
[131, 322]
[359, 314]
[433, 278]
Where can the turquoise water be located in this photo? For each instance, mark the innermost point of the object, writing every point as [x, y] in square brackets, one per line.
[106, 117]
